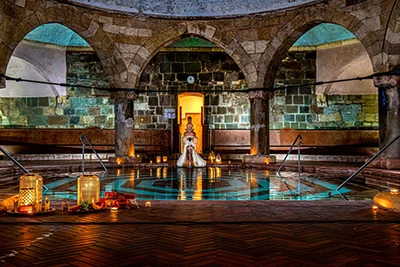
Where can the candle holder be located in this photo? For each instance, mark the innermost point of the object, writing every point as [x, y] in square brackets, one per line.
[211, 157]
[165, 159]
[218, 159]
[158, 159]
[147, 204]
[30, 193]
[88, 188]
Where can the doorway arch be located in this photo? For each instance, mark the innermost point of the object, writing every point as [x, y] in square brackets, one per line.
[191, 104]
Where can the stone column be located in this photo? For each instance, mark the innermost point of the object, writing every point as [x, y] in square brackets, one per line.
[2, 82]
[389, 119]
[124, 125]
[259, 128]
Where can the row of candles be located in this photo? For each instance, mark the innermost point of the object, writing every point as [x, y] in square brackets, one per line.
[211, 158]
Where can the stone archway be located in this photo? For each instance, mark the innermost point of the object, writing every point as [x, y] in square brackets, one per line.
[76, 19]
[208, 32]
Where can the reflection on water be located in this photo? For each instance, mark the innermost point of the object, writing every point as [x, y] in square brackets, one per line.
[214, 183]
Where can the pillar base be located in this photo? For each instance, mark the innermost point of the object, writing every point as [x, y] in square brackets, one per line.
[259, 159]
[390, 164]
[120, 160]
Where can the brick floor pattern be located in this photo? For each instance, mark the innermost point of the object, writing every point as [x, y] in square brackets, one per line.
[201, 244]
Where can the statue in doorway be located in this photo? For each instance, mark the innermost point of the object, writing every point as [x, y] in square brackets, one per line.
[189, 157]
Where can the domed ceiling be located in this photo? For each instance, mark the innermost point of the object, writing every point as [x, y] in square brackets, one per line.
[192, 8]
[54, 33]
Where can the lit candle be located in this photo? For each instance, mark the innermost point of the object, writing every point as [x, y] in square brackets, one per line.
[164, 158]
[147, 204]
[394, 191]
[151, 162]
[375, 208]
[114, 209]
[158, 159]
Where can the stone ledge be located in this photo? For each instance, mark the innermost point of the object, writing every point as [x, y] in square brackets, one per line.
[259, 159]
[390, 164]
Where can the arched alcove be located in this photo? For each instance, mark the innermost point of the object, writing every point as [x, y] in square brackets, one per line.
[192, 66]
[56, 54]
[326, 52]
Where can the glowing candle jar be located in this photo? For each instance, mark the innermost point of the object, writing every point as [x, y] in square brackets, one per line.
[218, 159]
[30, 192]
[158, 159]
[164, 159]
[211, 157]
[88, 188]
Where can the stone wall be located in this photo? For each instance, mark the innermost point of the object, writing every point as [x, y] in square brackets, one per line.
[80, 108]
[214, 71]
[301, 108]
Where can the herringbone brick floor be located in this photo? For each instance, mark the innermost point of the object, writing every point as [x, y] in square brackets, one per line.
[207, 234]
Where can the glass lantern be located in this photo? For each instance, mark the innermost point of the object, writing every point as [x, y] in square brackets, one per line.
[30, 193]
[88, 188]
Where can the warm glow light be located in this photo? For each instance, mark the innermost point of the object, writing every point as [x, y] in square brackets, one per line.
[158, 173]
[229, 162]
[218, 159]
[267, 161]
[158, 159]
[164, 158]
[394, 191]
[211, 157]
[165, 173]
[218, 172]
[147, 204]
[151, 162]
[211, 174]
[114, 209]
[88, 188]
[375, 208]
[30, 193]
[119, 161]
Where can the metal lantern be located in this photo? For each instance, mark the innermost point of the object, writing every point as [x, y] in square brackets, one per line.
[30, 193]
[88, 188]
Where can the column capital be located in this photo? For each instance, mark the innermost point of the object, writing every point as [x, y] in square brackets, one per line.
[123, 95]
[259, 94]
[387, 81]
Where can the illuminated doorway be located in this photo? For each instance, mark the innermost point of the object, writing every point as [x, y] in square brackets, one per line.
[191, 104]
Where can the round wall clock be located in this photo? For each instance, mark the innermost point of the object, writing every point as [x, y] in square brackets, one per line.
[190, 79]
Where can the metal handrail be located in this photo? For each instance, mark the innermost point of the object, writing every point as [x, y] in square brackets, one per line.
[298, 164]
[290, 150]
[369, 161]
[18, 164]
[83, 153]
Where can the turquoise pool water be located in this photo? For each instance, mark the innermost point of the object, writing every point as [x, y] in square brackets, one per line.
[214, 183]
